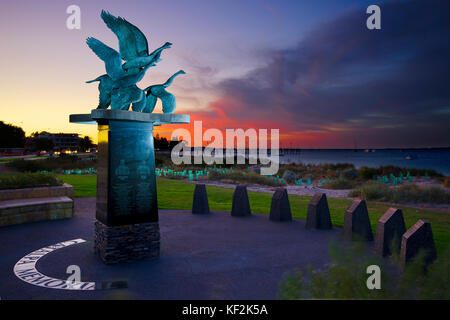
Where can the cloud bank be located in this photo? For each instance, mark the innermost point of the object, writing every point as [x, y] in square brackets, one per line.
[343, 83]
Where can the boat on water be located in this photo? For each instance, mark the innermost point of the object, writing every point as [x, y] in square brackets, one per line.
[410, 156]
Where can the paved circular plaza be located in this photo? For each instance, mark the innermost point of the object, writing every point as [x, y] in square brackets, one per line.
[213, 256]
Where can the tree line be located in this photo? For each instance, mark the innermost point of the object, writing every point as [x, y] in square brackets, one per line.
[12, 136]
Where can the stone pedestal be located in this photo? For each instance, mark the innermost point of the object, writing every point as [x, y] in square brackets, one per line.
[126, 211]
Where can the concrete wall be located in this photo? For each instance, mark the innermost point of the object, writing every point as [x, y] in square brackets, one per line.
[35, 204]
[40, 192]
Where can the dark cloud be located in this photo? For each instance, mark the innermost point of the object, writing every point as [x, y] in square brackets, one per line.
[387, 87]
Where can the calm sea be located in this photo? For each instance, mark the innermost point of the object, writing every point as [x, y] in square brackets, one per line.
[437, 159]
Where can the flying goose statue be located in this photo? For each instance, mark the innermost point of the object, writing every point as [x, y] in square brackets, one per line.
[159, 91]
[133, 45]
[105, 88]
[118, 86]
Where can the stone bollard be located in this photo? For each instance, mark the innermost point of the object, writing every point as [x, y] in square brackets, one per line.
[418, 237]
[390, 229]
[357, 222]
[318, 216]
[280, 210]
[241, 205]
[200, 203]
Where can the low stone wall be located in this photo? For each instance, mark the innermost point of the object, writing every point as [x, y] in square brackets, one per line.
[66, 190]
[35, 204]
[37, 209]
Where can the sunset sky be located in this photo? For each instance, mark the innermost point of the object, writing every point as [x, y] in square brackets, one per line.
[309, 68]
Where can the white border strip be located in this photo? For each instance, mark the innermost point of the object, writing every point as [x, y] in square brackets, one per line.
[25, 270]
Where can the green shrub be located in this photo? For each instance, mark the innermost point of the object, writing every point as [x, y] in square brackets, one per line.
[244, 176]
[338, 184]
[408, 193]
[289, 176]
[387, 170]
[27, 180]
[312, 171]
[404, 193]
[374, 191]
[434, 195]
[346, 277]
[350, 174]
[51, 164]
[355, 193]
[367, 173]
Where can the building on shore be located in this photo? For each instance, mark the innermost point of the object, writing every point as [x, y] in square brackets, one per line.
[61, 141]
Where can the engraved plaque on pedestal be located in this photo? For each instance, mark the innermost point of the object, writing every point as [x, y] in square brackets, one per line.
[132, 179]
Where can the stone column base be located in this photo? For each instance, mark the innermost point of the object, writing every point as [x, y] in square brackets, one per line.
[126, 243]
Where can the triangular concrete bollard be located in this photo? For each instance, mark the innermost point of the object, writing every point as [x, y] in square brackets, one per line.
[241, 205]
[280, 209]
[418, 237]
[318, 216]
[390, 229]
[357, 223]
[200, 203]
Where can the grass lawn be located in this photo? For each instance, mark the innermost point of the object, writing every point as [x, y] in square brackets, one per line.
[83, 185]
[173, 194]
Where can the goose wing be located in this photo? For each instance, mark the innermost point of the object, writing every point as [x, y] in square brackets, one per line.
[150, 103]
[167, 99]
[132, 42]
[112, 59]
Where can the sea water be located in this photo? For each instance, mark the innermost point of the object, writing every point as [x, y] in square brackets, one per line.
[436, 159]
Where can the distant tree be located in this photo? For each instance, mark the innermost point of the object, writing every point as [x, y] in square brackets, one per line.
[42, 144]
[11, 136]
[161, 143]
[85, 144]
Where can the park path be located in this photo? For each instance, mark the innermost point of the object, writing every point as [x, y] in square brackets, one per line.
[213, 256]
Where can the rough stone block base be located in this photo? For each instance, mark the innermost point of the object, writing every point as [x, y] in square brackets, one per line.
[126, 243]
